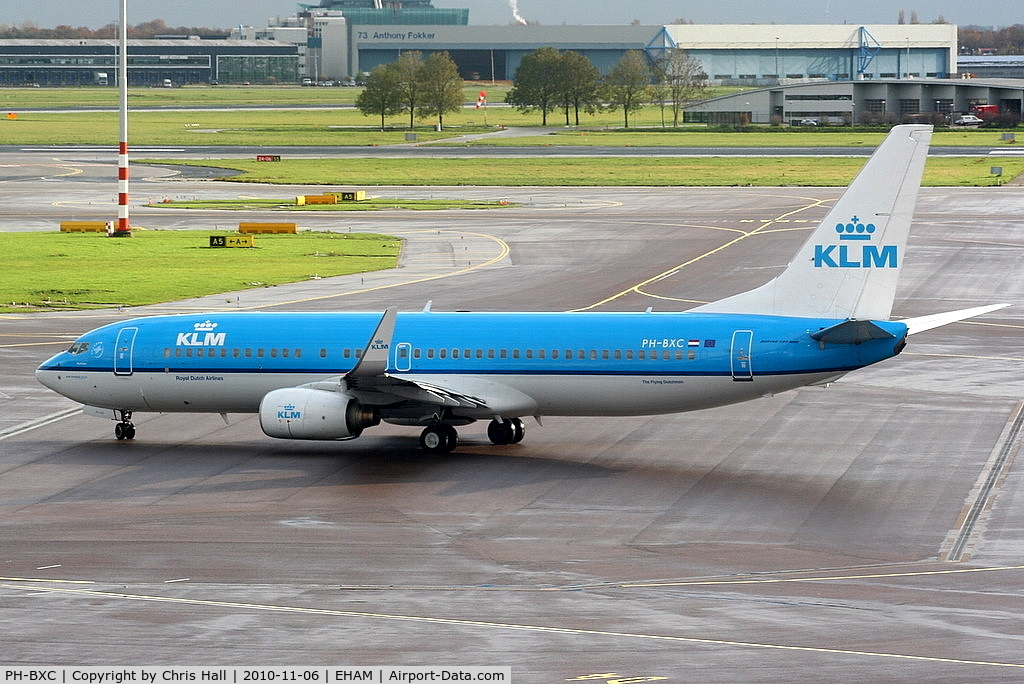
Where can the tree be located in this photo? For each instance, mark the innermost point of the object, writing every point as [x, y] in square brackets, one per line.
[536, 82]
[440, 87]
[579, 84]
[407, 69]
[382, 94]
[681, 79]
[629, 83]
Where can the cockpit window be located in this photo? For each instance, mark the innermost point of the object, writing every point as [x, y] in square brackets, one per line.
[78, 348]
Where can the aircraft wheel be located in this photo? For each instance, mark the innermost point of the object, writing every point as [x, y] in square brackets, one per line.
[501, 432]
[124, 431]
[439, 439]
[519, 429]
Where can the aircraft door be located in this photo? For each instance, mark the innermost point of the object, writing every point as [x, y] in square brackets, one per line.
[123, 350]
[739, 360]
[403, 356]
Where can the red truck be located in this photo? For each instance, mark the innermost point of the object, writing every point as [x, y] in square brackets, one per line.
[985, 111]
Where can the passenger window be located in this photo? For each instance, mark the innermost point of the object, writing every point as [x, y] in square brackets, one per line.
[188, 352]
[490, 353]
[430, 353]
[442, 354]
[177, 353]
[261, 352]
[593, 355]
[167, 352]
[455, 353]
[284, 353]
[403, 352]
[417, 353]
[529, 353]
[629, 354]
[248, 353]
[236, 352]
[515, 353]
[691, 355]
[540, 353]
[346, 353]
[273, 353]
[504, 353]
[466, 353]
[359, 353]
[641, 355]
[554, 353]
[298, 353]
[479, 353]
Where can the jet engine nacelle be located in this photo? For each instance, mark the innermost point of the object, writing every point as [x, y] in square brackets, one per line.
[302, 413]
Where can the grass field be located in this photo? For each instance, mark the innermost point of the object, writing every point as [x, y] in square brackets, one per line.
[657, 171]
[93, 271]
[325, 116]
[89, 270]
[369, 204]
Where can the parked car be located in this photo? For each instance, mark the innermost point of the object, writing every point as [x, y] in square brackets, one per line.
[808, 122]
[967, 120]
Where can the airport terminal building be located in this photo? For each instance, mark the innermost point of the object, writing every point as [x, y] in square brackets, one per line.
[181, 61]
[834, 73]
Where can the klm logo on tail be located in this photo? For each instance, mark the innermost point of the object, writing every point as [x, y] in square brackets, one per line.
[846, 255]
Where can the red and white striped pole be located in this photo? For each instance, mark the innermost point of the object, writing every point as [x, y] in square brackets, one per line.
[123, 227]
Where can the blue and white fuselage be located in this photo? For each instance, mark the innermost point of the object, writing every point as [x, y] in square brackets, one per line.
[332, 375]
[513, 364]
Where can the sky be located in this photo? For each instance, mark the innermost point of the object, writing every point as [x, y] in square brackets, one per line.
[229, 13]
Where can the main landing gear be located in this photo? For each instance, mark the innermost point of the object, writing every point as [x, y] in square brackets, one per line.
[124, 429]
[508, 431]
[441, 438]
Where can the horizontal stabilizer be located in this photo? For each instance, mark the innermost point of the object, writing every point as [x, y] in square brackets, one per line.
[851, 332]
[922, 323]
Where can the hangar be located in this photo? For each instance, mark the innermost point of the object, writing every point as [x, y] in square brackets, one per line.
[343, 38]
[865, 101]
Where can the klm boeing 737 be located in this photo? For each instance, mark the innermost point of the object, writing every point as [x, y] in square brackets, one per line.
[330, 376]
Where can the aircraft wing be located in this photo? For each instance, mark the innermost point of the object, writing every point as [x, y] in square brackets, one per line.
[370, 382]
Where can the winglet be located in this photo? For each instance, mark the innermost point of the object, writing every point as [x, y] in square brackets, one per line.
[922, 323]
[374, 361]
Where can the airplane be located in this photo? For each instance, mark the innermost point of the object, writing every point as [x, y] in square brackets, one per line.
[332, 375]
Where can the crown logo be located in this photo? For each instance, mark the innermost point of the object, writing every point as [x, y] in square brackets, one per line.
[289, 407]
[205, 326]
[855, 230]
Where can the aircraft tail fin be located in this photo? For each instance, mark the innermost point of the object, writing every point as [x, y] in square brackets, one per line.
[850, 264]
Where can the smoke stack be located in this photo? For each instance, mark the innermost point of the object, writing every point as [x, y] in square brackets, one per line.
[514, 4]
